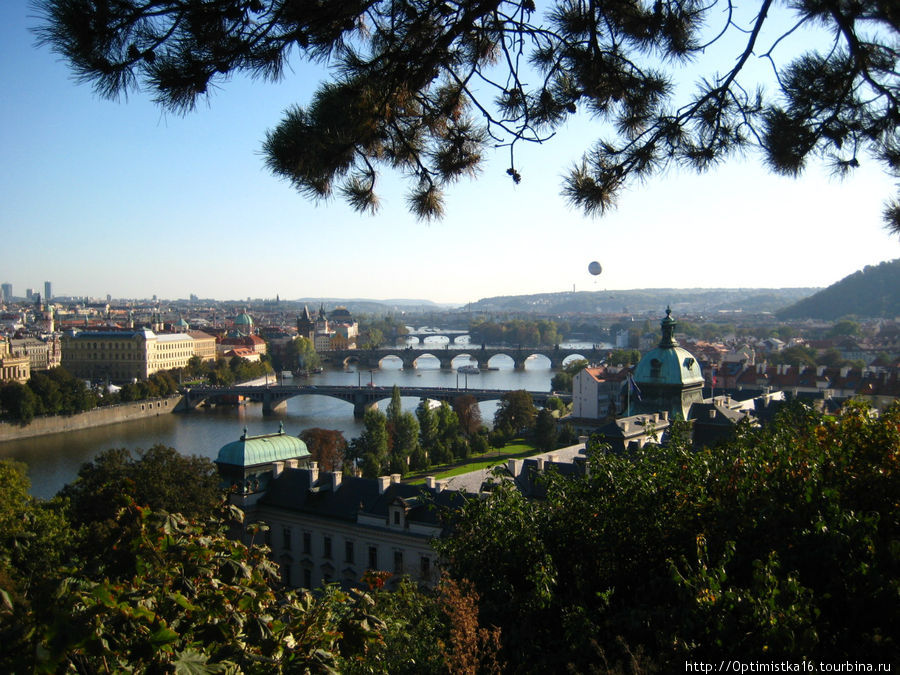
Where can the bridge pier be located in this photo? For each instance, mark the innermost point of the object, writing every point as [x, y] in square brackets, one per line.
[270, 406]
[360, 407]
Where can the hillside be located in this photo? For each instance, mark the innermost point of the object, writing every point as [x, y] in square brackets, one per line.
[682, 301]
[870, 293]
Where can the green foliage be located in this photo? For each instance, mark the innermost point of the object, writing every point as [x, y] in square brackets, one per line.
[781, 542]
[54, 392]
[518, 332]
[626, 357]
[870, 292]
[400, 96]
[19, 401]
[516, 412]
[159, 478]
[796, 355]
[545, 435]
[373, 445]
[562, 381]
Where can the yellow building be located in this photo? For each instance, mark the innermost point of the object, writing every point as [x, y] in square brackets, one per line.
[127, 355]
[13, 367]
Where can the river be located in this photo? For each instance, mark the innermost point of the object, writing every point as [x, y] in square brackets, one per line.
[54, 460]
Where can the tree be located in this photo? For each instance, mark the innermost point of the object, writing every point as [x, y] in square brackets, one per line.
[405, 444]
[545, 430]
[326, 446]
[19, 401]
[302, 354]
[844, 328]
[373, 445]
[424, 88]
[395, 407]
[516, 411]
[782, 540]
[159, 478]
[468, 413]
[428, 430]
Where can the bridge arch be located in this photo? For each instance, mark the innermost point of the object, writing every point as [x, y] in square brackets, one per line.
[571, 358]
[538, 362]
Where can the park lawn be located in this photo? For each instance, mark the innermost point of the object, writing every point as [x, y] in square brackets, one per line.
[516, 449]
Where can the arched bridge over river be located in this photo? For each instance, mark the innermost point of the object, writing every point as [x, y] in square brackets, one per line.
[371, 358]
[275, 396]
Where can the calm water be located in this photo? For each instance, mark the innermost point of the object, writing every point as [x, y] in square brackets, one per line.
[54, 460]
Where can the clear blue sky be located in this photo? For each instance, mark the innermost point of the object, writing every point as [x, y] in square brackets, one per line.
[117, 197]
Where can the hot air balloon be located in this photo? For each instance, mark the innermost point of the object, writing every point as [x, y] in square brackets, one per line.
[595, 268]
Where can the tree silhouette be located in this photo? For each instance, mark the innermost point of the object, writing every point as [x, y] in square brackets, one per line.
[423, 86]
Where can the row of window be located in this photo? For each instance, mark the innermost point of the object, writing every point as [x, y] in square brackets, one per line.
[350, 553]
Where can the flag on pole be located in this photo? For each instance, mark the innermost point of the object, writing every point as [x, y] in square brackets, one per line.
[632, 387]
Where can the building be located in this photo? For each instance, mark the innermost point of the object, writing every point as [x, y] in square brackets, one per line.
[14, 367]
[204, 345]
[126, 355]
[598, 392]
[338, 330]
[48, 291]
[329, 528]
[668, 378]
[7, 292]
[42, 354]
[248, 464]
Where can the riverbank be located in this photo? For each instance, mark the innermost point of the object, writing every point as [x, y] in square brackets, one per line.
[98, 417]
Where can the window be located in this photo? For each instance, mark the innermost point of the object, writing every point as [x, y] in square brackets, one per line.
[425, 566]
[326, 546]
[307, 578]
[348, 551]
[398, 562]
[373, 557]
[307, 543]
[396, 516]
[286, 538]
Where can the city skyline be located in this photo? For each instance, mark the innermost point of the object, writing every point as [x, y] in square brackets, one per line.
[118, 197]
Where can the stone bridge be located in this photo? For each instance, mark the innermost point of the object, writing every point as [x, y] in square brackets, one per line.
[371, 358]
[274, 397]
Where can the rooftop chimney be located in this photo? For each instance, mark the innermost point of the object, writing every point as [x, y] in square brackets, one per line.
[395, 477]
[277, 468]
[335, 480]
[383, 482]
[313, 472]
[515, 467]
[430, 482]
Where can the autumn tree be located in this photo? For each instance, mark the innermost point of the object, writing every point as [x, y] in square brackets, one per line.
[424, 88]
[326, 446]
[468, 413]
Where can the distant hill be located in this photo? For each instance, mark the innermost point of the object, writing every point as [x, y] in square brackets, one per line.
[871, 293]
[640, 301]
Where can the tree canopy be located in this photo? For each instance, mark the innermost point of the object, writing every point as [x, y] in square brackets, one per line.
[423, 87]
[779, 544]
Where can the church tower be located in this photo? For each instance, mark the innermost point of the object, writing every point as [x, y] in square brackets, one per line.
[668, 377]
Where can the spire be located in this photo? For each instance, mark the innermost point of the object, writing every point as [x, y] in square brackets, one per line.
[668, 330]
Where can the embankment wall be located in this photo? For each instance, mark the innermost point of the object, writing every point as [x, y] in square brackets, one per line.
[98, 417]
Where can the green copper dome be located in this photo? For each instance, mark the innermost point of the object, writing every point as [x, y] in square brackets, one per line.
[243, 319]
[254, 450]
[668, 363]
